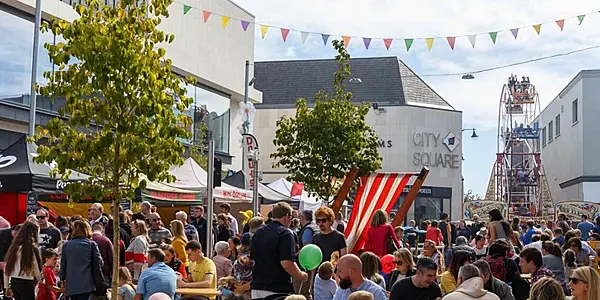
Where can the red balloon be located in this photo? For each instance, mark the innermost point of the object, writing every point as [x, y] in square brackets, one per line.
[387, 264]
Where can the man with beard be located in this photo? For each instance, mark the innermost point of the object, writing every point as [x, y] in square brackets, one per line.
[349, 272]
[421, 286]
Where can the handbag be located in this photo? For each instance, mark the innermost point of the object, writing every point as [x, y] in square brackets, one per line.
[391, 246]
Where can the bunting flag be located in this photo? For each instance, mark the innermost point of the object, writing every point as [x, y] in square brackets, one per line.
[515, 32]
[367, 42]
[493, 35]
[186, 9]
[263, 30]
[244, 25]
[387, 42]
[346, 40]
[408, 43]
[304, 36]
[429, 43]
[473, 39]
[561, 24]
[206, 14]
[451, 41]
[225, 21]
[325, 38]
[284, 34]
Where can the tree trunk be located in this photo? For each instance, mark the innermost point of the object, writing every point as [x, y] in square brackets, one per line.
[116, 252]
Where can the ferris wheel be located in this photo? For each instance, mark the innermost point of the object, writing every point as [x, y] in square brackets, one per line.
[520, 180]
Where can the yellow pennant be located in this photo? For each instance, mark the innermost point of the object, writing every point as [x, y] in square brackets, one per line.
[537, 28]
[263, 30]
[225, 21]
[429, 42]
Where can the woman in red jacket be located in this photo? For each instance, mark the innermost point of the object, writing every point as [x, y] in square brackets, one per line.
[379, 233]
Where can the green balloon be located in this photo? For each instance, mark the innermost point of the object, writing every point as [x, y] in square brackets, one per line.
[310, 257]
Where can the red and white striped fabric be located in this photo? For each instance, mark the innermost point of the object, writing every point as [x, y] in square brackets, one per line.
[376, 191]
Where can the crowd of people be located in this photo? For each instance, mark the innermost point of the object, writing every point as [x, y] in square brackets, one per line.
[72, 257]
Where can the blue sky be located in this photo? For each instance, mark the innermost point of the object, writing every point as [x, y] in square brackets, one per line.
[479, 98]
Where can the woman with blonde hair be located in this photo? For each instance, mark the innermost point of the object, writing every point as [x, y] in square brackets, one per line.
[546, 288]
[431, 251]
[179, 240]
[584, 284]
[380, 235]
[136, 255]
[370, 268]
[405, 267]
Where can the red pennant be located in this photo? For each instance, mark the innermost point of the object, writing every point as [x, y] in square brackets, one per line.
[297, 189]
[561, 24]
[451, 40]
[284, 33]
[206, 15]
[388, 43]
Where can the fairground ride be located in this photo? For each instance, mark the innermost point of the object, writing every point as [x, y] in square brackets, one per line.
[518, 178]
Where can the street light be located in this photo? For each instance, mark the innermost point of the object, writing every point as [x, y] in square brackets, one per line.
[468, 76]
[354, 80]
[474, 135]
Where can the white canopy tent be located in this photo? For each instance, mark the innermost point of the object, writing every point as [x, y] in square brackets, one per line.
[307, 202]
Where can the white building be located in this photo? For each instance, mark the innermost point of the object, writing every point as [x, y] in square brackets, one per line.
[569, 140]
[213, 55]
[415, 124]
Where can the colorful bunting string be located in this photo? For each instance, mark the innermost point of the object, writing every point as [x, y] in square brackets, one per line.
[387, 42]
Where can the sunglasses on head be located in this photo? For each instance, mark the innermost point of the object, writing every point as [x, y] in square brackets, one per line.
[575, 280]
[322, 220]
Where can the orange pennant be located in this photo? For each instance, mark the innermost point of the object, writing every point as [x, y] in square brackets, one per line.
[206, 14]
[346, 40]
[451, 40]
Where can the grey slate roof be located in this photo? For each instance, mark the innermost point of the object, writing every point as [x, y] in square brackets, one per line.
[385, 80]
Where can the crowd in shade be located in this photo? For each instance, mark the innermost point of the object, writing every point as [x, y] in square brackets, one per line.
[71, 257]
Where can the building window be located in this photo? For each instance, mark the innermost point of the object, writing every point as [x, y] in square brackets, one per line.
[574, 111]
[550, 131]
[557, 124]
[544, 137]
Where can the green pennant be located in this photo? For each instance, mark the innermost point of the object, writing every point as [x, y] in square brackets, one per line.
[186, 9]
[493, 35]
[408, 43]
[580, 18]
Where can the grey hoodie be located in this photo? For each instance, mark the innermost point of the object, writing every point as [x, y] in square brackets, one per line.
[471, 289]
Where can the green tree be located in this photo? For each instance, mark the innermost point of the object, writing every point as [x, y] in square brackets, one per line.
[472, 196]
[321, 144]
[119, 120]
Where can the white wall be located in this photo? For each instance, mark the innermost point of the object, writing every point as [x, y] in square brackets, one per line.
[398, 125]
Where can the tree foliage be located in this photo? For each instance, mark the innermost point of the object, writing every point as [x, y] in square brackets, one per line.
[118, 121]
[319, 145]
[472, 196]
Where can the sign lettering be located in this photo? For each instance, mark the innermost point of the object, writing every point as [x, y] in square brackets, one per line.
[429, 156]
[385, 143]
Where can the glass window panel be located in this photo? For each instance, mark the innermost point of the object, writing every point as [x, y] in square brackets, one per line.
[427, 208]
[15, 55]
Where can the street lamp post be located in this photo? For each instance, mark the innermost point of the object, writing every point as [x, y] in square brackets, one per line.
[474, 135]
[34, 63]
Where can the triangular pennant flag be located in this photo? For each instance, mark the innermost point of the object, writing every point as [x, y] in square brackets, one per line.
[225, 21]
[515, 32]
[244, 24]
[494, 35]
[561, 24]
[304, 36]
[537, 28]
[429, 43]
[451, 40]
[472, 39]
[346, 40]
[367, 42]
[580, 18]
[408, 43]
[206, 14]
[388, 43]
[325, 37]
[186, 9]
[263, 30]
[284, 34]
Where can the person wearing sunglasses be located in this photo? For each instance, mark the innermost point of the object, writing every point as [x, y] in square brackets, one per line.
[49, 235]
[584, 284]
[157, 233]
[329, 239]
[405, 267]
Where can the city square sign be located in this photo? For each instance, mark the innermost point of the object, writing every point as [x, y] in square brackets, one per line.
[433, 150]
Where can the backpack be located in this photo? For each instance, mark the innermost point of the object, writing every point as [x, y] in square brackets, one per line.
[498, 268]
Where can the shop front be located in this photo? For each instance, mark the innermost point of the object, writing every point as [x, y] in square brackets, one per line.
[430, 203]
